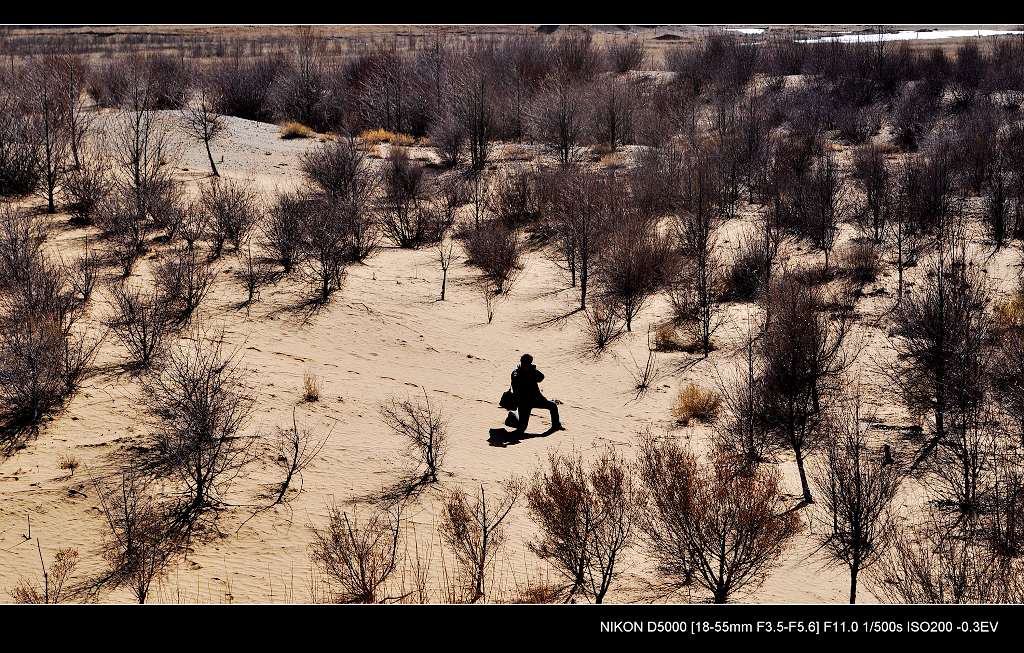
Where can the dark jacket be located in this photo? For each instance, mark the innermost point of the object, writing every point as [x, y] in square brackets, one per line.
[524, 384]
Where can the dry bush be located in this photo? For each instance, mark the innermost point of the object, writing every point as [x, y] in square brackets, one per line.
[604, 324]
[137, 545]
[741, 434]
[514, 199]
[140, 323]
[359, 557]
[232, 210]
[707, 525]
[297, 448]
[199, 404]
[937, 562]
[240, 87]
[586, 515]
[282, 232]
[325, 244]
[184, 279]
[338, 169]
[42, 358]
[635, 263]
[666, 337]
[86, 186]
[55, 579]
[404, 216]
[292, 129]
[254, 275]
[310, 386]
[21, 244]
[694, 402]
[625, 54]
[20, 156]
[378, 136]
[424, 429]
[861, 262]
[495, 249]
[69, 463]
[474, 531]
[744, 278]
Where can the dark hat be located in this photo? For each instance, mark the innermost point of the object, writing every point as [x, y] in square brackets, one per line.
[526, 359]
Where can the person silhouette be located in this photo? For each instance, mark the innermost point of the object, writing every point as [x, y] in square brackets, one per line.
[528, 395]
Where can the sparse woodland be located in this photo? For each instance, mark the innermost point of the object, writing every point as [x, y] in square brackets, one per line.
[817, 246]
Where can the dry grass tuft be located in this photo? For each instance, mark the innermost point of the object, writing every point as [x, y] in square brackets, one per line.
[694, 402]
[377, 136]
[68, 463]
[293, 129]
[310, 387]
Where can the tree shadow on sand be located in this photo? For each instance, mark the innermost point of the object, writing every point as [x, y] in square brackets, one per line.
[502, 437]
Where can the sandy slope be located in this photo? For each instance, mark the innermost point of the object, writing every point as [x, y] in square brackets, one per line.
[383, 334]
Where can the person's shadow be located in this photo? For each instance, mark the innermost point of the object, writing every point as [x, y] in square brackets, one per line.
[505, 437]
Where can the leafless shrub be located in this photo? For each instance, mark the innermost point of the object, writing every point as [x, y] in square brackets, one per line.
[86, 186]
[232, 210]
[184, 279]
[558, 116]
[872, 171]
[635, 263]
[359, 558]
[604, 324]
[21, 164]
[55, 578]
[21, 244]
[140, 322]
[625, 54]
[445, 255]
[282, 232]
[495, 249]
[297, 448]
[47, 107]
[585, 515]
[741, 433]
[862, 262]
[474, 531]
[647, 374]
[325, 245]
[709, 526]
[424, 429]
[137, 546]
[339, 169]
[254, 275]
[404, 216]
[200, 405]
[856, 487]
[744, 279]
[932, 562]
[514, 200]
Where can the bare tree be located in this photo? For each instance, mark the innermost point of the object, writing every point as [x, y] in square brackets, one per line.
[473, 528]
[804, 359]
[445, 255]
[184, 279]
[202, 124]
[939, 341]
[856, 487]
[709, 525]
[54, 132]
